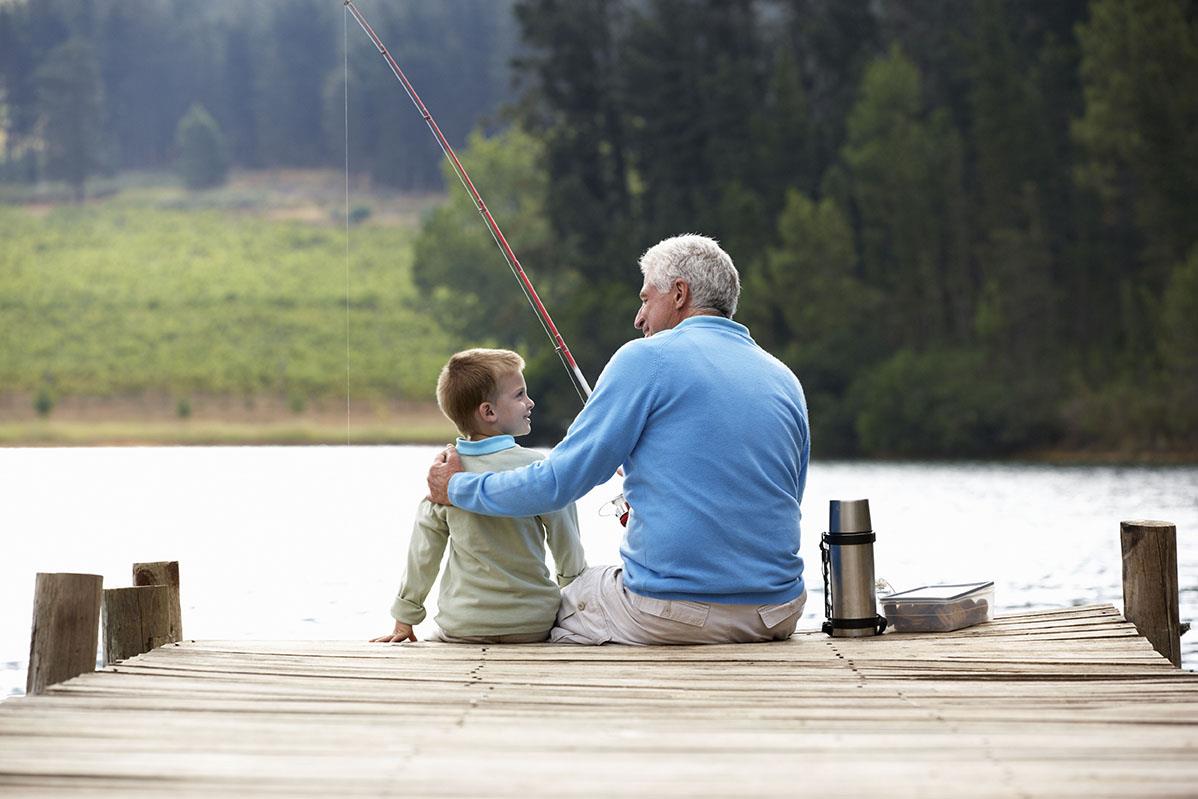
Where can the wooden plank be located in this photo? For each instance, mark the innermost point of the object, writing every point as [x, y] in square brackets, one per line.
[1068, 702]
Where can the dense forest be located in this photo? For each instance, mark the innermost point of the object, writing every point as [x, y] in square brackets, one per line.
[967, 225]
[98, 86]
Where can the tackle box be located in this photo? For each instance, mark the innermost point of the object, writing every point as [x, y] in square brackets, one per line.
[939, 608]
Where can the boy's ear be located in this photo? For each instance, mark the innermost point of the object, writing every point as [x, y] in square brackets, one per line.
[486, 412]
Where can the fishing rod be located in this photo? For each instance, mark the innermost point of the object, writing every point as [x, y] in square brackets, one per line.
[619, 505]
[559, 344]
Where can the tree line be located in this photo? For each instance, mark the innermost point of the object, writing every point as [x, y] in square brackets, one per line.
[967, 225]
[92, 87]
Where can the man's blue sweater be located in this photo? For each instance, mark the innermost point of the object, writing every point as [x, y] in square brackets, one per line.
[712, 433]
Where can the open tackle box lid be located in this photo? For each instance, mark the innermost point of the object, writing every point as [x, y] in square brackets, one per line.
[939, 593]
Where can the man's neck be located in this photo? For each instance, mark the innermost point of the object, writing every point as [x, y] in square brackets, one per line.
[688, 313]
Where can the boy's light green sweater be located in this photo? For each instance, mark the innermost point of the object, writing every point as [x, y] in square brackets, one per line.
[495, 580]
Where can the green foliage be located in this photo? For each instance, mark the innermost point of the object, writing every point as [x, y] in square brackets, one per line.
[786, 132]
[806, 304]
[941, 403]
[265, 71]
[1015, 317]
[183, 408]
[456, 52]
[1180, 344]
[43, 403]
[1132, 415]
[936, 226]
[690, 98]
[292, 70]
[70, 97]
[574, 53]
[457, 263]
[203, 160]
[1139, 70]
[121, 299]
[906, 169]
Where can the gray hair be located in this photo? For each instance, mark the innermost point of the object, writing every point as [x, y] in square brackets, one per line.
[702, 263]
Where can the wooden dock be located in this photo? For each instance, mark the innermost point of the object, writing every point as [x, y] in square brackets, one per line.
[1054, 703]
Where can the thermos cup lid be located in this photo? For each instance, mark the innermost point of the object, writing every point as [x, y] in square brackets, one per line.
[849, 516]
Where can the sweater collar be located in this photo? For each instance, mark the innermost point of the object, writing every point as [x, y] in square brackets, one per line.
[486, 446]
[714, 322]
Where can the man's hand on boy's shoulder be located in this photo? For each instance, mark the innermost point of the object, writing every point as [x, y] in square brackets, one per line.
[403, 632]
[445, 465]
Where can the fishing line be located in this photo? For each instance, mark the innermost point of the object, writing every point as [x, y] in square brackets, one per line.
[345, 74]
[559, 344]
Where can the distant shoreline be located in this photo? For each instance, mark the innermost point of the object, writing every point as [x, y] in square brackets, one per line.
[417, 428]
[219, 421]
[283, 433]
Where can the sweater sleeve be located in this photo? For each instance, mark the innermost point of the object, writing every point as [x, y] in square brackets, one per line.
[597, 443]
[561, 532]
[430, 534]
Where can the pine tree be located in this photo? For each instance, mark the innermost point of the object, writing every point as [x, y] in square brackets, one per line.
[833, 41]
[203, 160]
[807, 306]
[238, 98]
[1180, 347]
[577, 106]
[1140, 128]
[786, 133]
[18, 92]
[906, 169]
[695, 76]
[70, 102]
[1014, 171]
[299, 53]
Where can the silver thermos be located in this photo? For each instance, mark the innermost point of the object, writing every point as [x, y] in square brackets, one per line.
[847, 552]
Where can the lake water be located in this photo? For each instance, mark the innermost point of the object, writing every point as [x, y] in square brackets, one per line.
[309, 542]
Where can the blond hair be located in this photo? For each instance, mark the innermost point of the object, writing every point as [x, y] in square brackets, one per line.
[471, 378]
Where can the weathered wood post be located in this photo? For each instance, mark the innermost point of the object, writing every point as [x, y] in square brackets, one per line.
[66, 627]
[166, 573]
[136, 620]
[1150, 584]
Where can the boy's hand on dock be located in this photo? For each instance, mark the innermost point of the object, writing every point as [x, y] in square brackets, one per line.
[403, 632]
[445, 465]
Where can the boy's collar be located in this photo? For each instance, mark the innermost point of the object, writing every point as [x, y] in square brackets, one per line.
[486, 446]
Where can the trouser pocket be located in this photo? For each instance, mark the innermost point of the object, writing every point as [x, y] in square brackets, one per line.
[773, 615]
[693, 614]
[580, 617]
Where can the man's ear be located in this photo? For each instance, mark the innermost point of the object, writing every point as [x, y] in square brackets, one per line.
[486, 412]
[681, 294]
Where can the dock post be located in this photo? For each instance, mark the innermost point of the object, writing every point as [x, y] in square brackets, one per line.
[1150, 600]
[66, 628]
[136, 620]
[166, 573]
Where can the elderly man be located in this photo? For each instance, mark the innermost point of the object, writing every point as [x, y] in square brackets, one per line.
[712, 434]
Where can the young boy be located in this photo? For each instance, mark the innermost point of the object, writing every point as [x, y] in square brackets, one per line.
[496, 588]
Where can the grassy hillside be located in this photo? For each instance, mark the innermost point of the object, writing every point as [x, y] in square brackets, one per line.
[127, 297]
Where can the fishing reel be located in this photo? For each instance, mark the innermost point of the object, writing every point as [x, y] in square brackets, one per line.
[617, 507]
